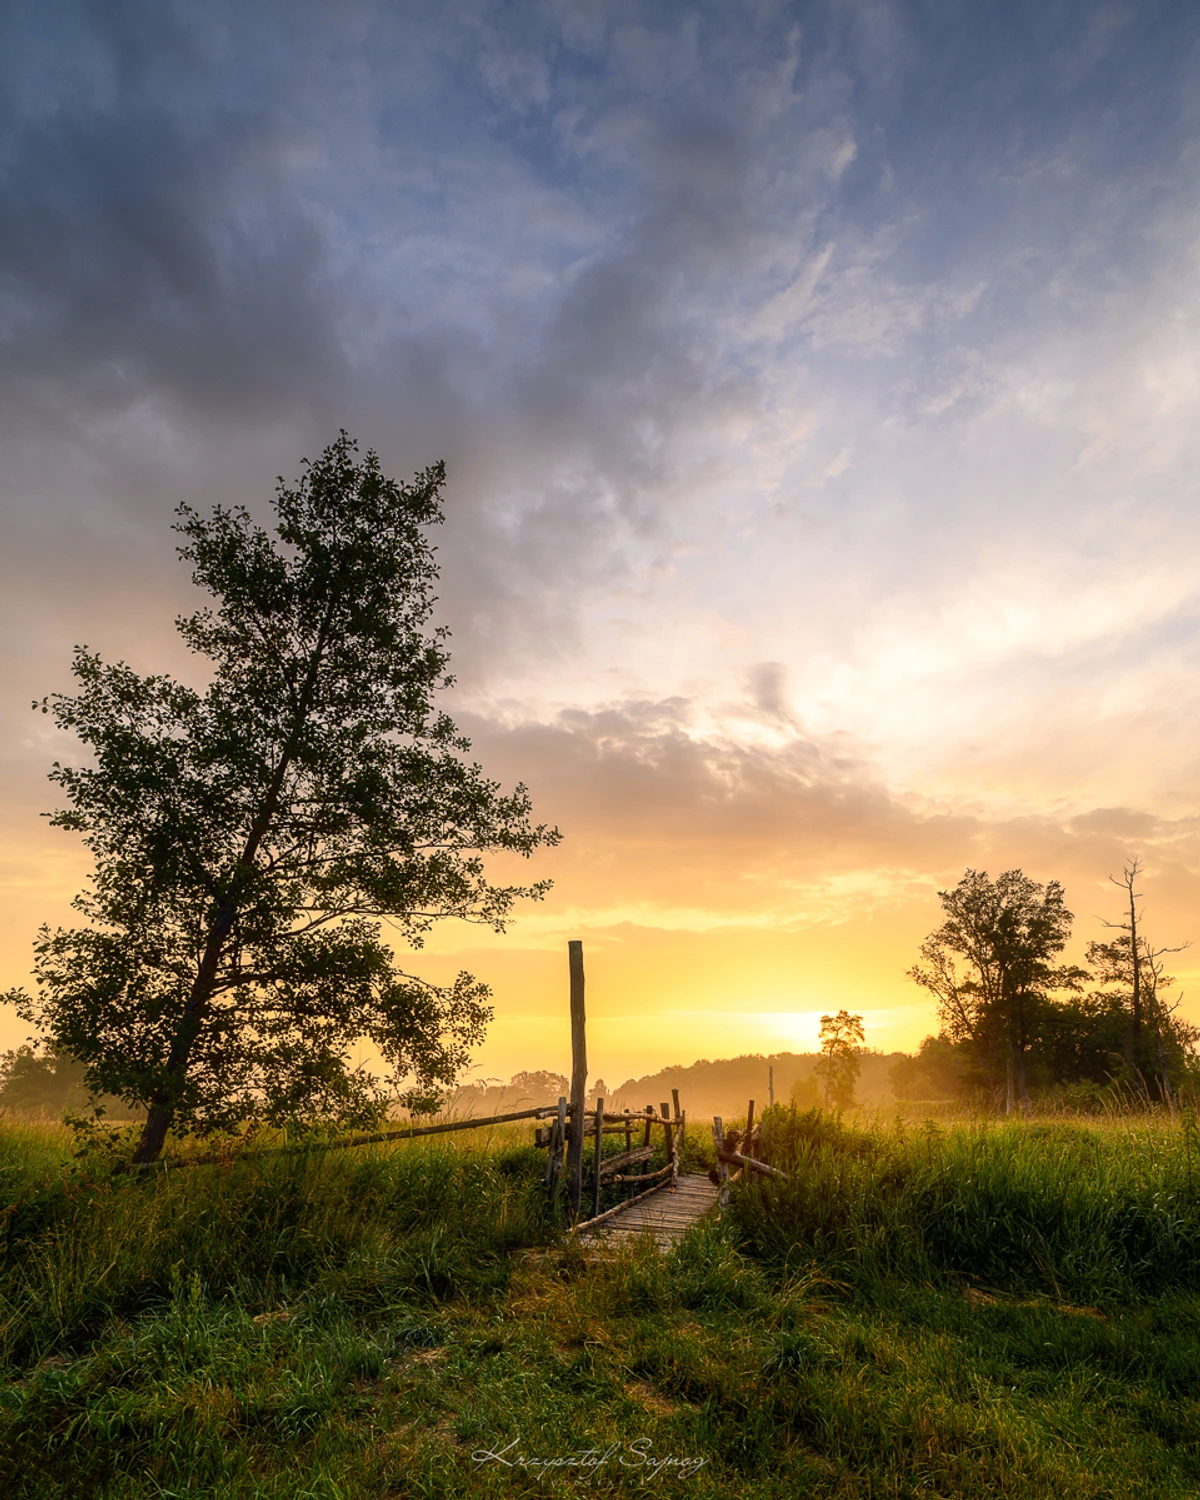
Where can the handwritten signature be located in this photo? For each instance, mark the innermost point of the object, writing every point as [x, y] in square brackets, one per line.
[635, 1455]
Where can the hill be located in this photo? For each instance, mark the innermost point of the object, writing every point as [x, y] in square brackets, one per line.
[723, 1086]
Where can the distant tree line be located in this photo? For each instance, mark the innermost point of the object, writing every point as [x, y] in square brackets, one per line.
[45, 1080]
[1016, 1021]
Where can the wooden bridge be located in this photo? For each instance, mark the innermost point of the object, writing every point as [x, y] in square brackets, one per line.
[663, 1212]
[667, 1210]
[670, 1203]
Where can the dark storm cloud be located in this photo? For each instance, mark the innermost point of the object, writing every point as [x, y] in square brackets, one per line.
[134, 270]
[515, 239]
[152, 249]
[196, 255]
[538, 242]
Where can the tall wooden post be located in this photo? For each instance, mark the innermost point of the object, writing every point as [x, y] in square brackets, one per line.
[578, 1074]
[771, 1087]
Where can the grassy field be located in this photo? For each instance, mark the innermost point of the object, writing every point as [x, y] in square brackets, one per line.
[966, 1310]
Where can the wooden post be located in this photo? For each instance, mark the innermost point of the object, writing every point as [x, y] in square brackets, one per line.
[578, 1074]
[747, 1147]
[771, 1087]
[722, 1169]
[596, 1157]
[558, 1132]
[675, 1101]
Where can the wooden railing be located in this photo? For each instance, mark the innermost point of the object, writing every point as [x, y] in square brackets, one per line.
[611, 1170]
[742, 1149]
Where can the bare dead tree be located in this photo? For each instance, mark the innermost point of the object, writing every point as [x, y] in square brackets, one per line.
[1132, 961]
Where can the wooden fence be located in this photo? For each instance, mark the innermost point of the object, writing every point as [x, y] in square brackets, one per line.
[613, 1170]
[401, 1133]
[571, 1123]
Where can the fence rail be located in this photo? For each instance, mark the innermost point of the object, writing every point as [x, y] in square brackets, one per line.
[380, 1137]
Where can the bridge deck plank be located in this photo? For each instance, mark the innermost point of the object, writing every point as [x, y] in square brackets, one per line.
[666, 1215]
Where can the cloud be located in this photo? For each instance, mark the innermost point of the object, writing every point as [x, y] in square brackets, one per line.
[818, 400]
[689, 819]
[669, 827]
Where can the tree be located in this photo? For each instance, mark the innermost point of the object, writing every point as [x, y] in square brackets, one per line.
[1006, 931]
[541, 1087]
[1156, 1042]
[838, 1065]
[805, 1092]
[250, 838]
[936, 1072]
[1083, 1039]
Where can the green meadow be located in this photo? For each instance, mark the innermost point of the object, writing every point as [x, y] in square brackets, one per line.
[967, 1308]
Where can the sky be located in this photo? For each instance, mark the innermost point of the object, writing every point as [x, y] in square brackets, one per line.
[818, 388]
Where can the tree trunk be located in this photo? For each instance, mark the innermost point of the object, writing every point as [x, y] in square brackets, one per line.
[154, 1134]
[1164, 1071]
[1135, 955]
[162, 1109]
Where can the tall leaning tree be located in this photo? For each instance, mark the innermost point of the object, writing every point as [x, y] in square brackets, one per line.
[252, 838]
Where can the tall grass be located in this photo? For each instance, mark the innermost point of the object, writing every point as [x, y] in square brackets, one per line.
[83, 1245]
[1089, 1211]
[986, 1311]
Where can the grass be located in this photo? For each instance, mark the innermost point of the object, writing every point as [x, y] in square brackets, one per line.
[981, 1310]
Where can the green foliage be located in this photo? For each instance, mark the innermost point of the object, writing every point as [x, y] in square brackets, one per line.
[541, 1087]
[1005, 933]
[81, 1245]
[1010, 1016]
[938, 1071]
[1106, 1212]
[1159, 1041]
[806, 1093]
[249, 839]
